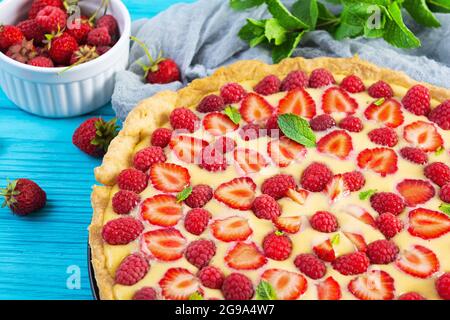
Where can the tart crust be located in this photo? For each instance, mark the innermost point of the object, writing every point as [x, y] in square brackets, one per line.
[154, 112]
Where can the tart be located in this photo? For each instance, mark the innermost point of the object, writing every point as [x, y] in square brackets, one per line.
[320, 179]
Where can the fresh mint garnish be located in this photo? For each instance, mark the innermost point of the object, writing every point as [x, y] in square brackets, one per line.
[265, 291]
[445, 208]
[233, 114]
[297, 129]
[367, 194]
[379, 102]
[196, 296]
[336, 239]
[439, 151]
[183, 195]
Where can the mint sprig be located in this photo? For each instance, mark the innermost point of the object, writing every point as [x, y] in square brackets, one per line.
[265, 291]
[184, 194]
[445, 208]
[297, 129]
[233, 114]
[196, 296]
[364, 195]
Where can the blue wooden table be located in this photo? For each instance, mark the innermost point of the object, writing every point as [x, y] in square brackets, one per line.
[42, 255]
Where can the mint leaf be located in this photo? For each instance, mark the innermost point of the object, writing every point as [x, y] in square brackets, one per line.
[183, 195]
[274, 31]
[442, 6]
[336, 239]
[196, 296]
[233, 114]
[252, 29]
[307, 11]
[326, 19]
[367, 194]
[297, 129]
[286, 49]
[445, 208]
[439, 151]
[354, 18]
[265, 291]
[418, 9]
[282, 14]
[396, 32]
[245, 4]
[379, 102]
[257, 41]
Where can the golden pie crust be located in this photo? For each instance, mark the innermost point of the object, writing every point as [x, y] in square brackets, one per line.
[154, 112]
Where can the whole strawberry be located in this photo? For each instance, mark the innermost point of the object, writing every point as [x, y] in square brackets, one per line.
[9, 35]
[23, 197]
[62, 48]
[94, 136]
[160, 71]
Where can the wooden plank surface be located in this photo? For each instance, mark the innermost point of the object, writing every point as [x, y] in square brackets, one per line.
[36, 252]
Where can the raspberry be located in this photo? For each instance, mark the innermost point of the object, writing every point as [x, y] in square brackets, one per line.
[133, 180]
[42, 62]
[122, 230]
[110, 23]
[124, 201]
[161, 137]
[200, 252]
[294, 80]
[443, 286]
[211, 277]
[212, 160]
[51, 19]
[322, 122]
[32, 31]
[441, 115]
[225, 145]
[351, 123]
[353, 84]
[183, 118]
[417, 100]
[316, 177]
[232, 93]
[381, 89]
[389, 225]
[196, 221]
[382, 252]
[351, 263]
[9, 35]
[237, 286]
[438, 172]
[250, 131]
[38, 5]
[354, 180]
[99, 37]
[277, 246]
[273, 130]
[411, 296]
[444, 194]
[387, 202]
[145, 293]
[310, 265]
[269, 85]
[145, 158]
[199, 196]
[324, 221]
[321, 78]
[266, 207]
[132, 269]
[384, 137]
[211, 103]
[415, 155]
[278, 185]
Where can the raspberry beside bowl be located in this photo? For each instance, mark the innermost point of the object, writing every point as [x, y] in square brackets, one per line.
[49, 93]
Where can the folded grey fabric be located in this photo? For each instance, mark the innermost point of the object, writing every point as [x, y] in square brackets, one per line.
[202, 36]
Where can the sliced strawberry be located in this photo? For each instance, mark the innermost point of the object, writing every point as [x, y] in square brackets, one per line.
[178, 284]
[337, 188]
[337, 100]
[284, 150]
[164, 244]
[299, 102]
[187, 148]
[245, 256]
[415, 191]
[237, 193]
[361, 214]
[249, 160]
[418, 261]
[329, 289]
[289, 224]
[298, 195]
[255, 109]
[337, 143]
[428, 224]
[423, 135]
[388, 113]
[169, 177]
[287, 285]
[357, 239]
[325, 251]
[381, 160]
[231, 229]
[218, 124]
[374, 285]
[162, 210]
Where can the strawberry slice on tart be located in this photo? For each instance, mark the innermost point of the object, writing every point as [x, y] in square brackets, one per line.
[423, 135]
[428, 224]
[178, 284]
[388, 112]
[380, 160]
[338, 100]
[187, 148]
[255, 109]
[249, 161]
[337, 188]
[245, 256]
[237, 193]
[357, 239]
[162, 210]
[284, 150]
[337, 143]
[418, 261]
[290, 224]
[218, 124]
[374, 285]
[298, 195]
[415, 191]
[288, 285]
[231, 229]
[328, 289]
[169, 177]
[164, 244]
[361, 214]
[299, 102]
[324, 251]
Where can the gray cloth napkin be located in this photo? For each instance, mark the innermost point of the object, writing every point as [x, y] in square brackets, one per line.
[202, 36]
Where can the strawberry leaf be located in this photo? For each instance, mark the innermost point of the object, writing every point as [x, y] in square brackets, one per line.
[233, 114]
[367, 194]
[265, 291]
[297, 129]
[445, 208]
[183, 195]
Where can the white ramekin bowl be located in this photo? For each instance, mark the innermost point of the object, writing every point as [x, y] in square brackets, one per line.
[49, 93]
